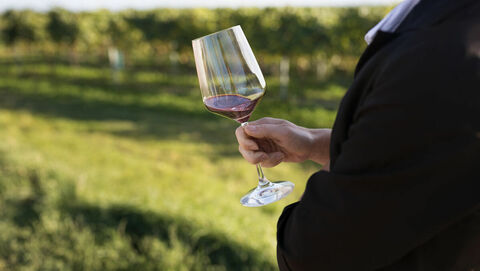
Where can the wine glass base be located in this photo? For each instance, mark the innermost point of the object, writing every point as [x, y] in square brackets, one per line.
[263, 195]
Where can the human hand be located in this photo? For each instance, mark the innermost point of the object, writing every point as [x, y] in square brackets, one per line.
[270, 141]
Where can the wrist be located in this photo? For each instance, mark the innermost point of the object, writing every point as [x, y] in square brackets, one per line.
[320, 145]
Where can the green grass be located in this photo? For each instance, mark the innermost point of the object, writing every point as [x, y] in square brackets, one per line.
[135, 174]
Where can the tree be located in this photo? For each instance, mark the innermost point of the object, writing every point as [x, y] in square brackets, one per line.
[21, 26]
[157, 28]
[62, 27]
[289, 33]
[63, 30]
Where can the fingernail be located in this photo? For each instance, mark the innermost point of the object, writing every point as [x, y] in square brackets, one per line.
[251, 128]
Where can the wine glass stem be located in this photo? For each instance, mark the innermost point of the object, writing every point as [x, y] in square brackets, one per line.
[262, 181]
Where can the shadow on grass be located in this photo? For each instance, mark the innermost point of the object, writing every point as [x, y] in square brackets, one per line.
[23, 209]
[150, 122]
[127, 83]
[129, 222]
[138, 224]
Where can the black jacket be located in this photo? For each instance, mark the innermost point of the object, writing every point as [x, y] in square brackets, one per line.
[403, 192]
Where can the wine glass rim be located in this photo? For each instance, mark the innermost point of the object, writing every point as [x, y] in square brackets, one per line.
[216, 33]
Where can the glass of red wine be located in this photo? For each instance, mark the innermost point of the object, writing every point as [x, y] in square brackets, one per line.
[232, 84]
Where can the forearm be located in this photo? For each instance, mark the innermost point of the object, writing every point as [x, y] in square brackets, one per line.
[320, 151]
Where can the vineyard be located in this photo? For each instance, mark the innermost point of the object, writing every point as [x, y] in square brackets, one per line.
[307, 36]
[108, 158]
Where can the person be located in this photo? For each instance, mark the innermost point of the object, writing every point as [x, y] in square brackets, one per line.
[400, 186]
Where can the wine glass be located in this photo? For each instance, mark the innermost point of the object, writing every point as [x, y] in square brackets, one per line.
[232, 84]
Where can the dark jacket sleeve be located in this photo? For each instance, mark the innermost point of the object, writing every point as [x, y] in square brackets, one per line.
[409, 168]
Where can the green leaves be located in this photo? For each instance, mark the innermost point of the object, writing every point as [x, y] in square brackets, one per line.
[272, 31]
[22, 26]
[62, 26]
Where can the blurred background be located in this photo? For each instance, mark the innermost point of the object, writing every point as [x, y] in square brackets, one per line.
[108, 158]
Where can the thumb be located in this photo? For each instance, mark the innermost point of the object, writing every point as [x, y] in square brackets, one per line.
[264, 130]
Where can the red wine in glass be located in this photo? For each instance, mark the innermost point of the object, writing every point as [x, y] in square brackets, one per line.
[233, 106]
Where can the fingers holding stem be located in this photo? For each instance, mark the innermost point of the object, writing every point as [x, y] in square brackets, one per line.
[250, 150]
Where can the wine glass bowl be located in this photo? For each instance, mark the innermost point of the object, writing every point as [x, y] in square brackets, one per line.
[226, 65]
[232, 84]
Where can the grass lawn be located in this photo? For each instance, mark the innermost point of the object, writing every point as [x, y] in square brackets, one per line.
[135, 174]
